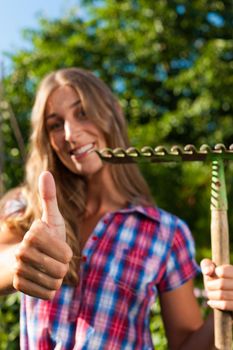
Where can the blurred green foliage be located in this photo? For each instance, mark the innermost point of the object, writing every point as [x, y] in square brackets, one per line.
[9, 322]
[169, 62]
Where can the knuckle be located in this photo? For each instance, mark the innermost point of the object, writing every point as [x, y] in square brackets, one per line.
[21, 252]
[38, 278]
[68, 254]
[224, 305]
[221, 294]
[43, 262]
[30, 238]
[57, 284]
[220, 271]
[17, 283]
[62, 270]
[50, 295]
[221, 283]
[18, 268]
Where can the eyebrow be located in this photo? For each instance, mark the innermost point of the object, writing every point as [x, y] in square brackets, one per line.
[75, 103]
[50, 116]
[53, 115]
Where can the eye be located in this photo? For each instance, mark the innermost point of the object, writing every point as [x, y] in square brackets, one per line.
[55, 126]
[81, 115]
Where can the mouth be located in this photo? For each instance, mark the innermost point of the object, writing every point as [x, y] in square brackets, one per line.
[82, 151]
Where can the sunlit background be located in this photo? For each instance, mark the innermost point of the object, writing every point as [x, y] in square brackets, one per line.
[15, 16]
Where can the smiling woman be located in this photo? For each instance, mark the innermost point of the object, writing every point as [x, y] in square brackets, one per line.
[86, 245]
[72, 135]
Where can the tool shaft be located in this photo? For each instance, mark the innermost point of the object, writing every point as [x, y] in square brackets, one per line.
[220, 249]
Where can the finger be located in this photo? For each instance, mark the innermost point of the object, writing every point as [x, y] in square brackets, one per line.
[207, 268]
[225, 305]
[220, 284]
[220, 295]
[30, 288]
[37, 237]
[50, 212]
[224, 271]
[30, 273]
[41, 262]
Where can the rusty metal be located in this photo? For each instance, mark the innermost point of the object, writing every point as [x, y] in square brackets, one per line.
[161, 154]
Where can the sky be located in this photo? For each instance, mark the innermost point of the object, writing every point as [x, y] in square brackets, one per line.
[16, 15]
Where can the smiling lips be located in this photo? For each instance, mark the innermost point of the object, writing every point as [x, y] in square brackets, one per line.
[82, 151]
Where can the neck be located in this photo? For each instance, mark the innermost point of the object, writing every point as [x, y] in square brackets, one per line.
[102, 196]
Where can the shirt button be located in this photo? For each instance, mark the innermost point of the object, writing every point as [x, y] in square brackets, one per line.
[94, 238]
[84, 258]
[105, 221]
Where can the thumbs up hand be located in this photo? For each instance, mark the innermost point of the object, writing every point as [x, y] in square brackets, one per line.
[43, 256]
[50, 212]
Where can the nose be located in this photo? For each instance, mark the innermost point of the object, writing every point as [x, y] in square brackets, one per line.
[73, 130]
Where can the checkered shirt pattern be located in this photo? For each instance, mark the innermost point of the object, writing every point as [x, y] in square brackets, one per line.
[132, 255]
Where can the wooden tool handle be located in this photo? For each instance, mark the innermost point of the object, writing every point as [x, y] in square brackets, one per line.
[220, 255]
[220, 250]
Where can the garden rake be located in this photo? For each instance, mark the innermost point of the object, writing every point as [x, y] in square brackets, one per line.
[218, 205]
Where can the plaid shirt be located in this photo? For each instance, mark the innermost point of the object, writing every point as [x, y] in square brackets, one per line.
[132, 255]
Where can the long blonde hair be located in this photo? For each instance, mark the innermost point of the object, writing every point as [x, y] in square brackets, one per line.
[100, 105]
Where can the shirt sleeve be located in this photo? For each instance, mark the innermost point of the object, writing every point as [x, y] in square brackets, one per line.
[181, 264]
[12, 206]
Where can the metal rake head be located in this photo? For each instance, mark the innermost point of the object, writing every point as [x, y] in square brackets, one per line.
[161, 154]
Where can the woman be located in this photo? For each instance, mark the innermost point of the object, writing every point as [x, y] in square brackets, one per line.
[91, 253]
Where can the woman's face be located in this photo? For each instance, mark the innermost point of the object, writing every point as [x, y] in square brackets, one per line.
[71, 134]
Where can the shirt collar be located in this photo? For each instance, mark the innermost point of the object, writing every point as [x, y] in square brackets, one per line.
[151, 212]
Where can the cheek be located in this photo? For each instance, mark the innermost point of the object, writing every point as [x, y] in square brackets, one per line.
[57, 142]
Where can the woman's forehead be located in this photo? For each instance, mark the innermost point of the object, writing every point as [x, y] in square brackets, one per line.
[62, 97]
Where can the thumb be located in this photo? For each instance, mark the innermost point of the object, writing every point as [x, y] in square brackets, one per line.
[208, 267]
[50, 212]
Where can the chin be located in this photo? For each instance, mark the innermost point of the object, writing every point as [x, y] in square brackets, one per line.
[89, 170]
[86, 169]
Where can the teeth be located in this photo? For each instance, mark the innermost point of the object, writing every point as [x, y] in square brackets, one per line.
[83, 149]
